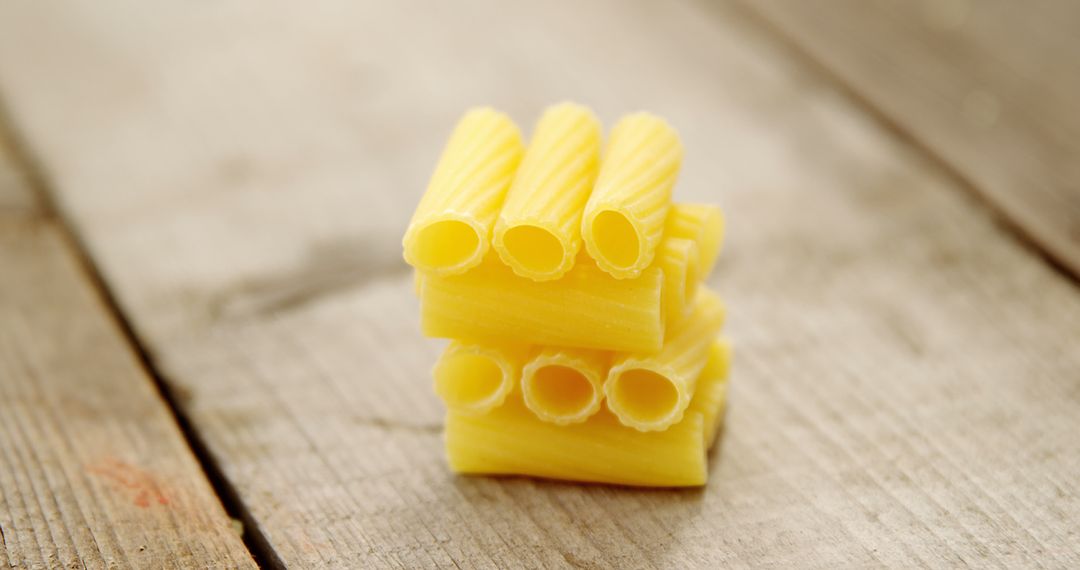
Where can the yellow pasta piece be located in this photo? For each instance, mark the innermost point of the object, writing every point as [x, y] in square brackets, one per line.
[709, 399]
[538, 232]
[473, 378]
[587, 308]
[510, 440]
[678, 258]
[650, 392]
[451, 228]
[704, 225]
[565, 385]
[624, 218]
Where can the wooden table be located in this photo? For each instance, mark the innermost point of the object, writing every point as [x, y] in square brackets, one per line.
[209, 353]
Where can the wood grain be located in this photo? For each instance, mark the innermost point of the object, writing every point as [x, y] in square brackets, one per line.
[906, 377]
[93, 470]
[990, 87]
[15, 194]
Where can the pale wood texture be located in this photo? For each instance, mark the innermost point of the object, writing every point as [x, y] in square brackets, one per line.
[15, 194]
[989, 86]
[94, 472]
[906, 377]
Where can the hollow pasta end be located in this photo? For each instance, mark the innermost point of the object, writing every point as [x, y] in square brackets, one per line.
[471, 382]
[560, 394]
[643, 399]
[617, 240]
[446, 245]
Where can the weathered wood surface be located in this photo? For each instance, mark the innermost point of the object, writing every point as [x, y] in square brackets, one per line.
[991, 87]
[15, 194]
[906, 378]
[94, 472]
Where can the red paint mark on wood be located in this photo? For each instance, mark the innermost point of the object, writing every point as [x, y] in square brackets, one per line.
[144, 487]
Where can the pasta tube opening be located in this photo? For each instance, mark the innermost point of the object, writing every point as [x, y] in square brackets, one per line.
[564, 386]
[646, 395]
[538, 233]
[618, 240]
[447, 243]
[450, 231]
[560, 391]
[473, 378]
[623, 221]
[534, 250]
[650, 392]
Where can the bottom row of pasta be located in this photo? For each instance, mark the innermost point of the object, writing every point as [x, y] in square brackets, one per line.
[644, 419]
[511, 440]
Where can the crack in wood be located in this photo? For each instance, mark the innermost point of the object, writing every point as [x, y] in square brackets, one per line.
[328, 269]
[395, 425]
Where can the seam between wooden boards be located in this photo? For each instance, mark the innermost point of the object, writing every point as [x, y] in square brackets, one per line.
[906, 136]
[47, 210]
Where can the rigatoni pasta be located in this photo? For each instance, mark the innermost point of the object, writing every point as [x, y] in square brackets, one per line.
[451, 229]
[709, 399]
[704, 225]
[545, 332]
[538, 232]
[649, 392]
[565, 385]
[678, 258]
[511, 440]
[473, 378]
[624, 218]
[587, 308]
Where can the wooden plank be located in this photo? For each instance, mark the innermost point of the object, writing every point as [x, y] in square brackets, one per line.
[905, 382]
[94, 472]
[15, 194]
[991, 87]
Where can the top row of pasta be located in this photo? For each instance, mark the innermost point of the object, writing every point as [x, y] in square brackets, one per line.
[538, 205]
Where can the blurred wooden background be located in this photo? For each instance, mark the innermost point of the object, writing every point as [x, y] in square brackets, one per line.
[206, 328]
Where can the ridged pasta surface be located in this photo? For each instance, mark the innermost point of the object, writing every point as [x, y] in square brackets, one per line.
[450, 231]
[650, 392]
[538, 233]
[565, 385]
[701, 223]
[587, 308]
[511, 440]
[624, 218]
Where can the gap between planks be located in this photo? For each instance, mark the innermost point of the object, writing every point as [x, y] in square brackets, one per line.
[36, 183]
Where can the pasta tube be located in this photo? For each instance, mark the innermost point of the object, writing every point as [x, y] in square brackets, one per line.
[704, 225]
[709, 399]
[474, 378]
[510, 440]
[417, 281]
[451, 228]
[625, 215]
[649, 392]
[538, 233]
[678, 258]
[587, 308]
[565, 385]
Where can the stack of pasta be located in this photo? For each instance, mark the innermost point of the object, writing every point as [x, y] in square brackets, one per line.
[584, 347]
